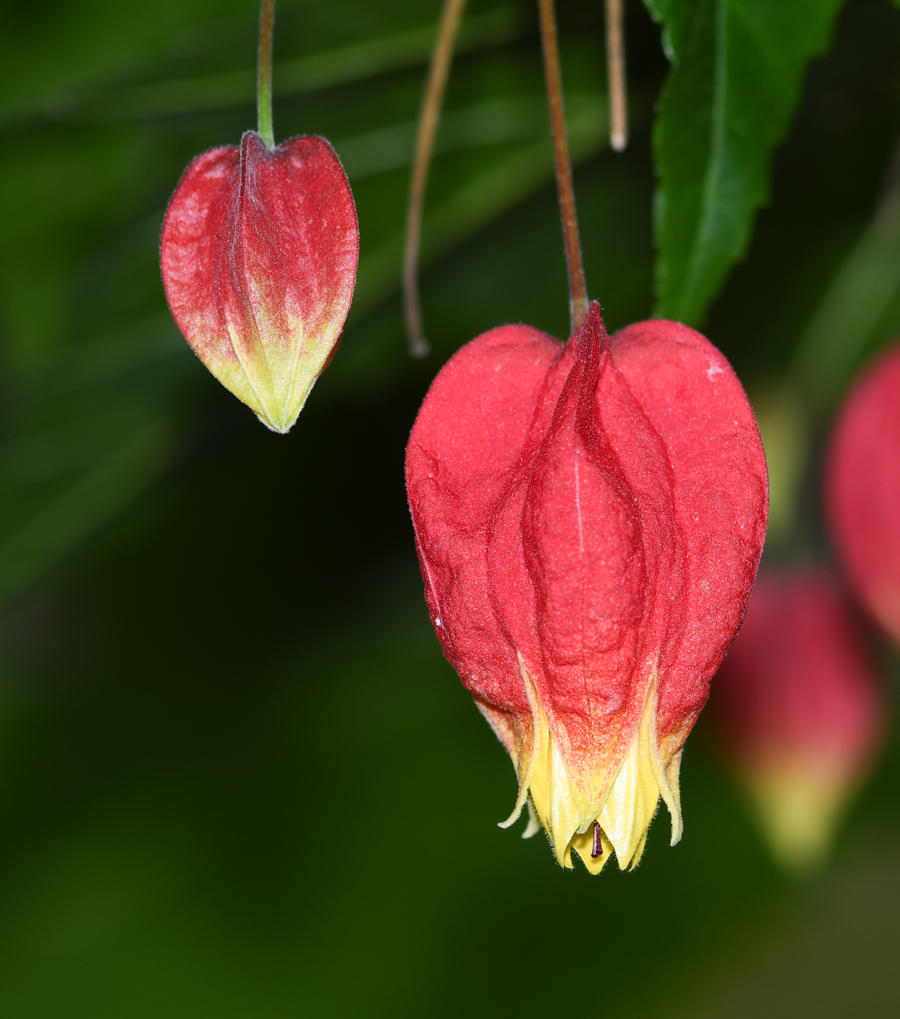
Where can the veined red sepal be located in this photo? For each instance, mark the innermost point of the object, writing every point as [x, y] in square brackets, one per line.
[259, 251]
[589, 520]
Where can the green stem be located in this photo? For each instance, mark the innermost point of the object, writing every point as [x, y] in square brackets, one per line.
[429, 117]
[578, 297]
[264, 73]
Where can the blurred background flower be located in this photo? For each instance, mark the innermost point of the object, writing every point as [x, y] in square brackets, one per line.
[798, 711]
[218, 804]
[862, 489]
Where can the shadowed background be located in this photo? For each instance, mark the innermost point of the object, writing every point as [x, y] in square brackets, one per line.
[237, 778]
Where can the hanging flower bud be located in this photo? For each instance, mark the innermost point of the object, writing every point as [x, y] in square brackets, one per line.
[259, 251]
[797, 710]
[862, 489]
[589, 519]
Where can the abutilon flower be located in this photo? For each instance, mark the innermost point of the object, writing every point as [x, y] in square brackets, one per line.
[259, 251]
[797, 710]
[862, 489]
[589, 520]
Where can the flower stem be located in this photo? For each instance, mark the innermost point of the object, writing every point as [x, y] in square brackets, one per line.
[429, 117]
[615, 63]
[264, 73]
[578, 298]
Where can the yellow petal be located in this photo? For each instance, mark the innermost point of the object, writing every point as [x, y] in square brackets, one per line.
[276, 366]
[627, 806]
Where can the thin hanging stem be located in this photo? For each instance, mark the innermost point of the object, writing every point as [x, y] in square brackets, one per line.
[264, 73]
[578, 298]
[429, 117]
[615, 64]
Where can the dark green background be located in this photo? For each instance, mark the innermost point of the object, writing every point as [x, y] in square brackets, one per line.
[236, 776]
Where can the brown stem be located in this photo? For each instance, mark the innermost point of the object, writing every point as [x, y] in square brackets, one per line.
[429, 117]
[578, 298]
[264, 73]
[615, 64]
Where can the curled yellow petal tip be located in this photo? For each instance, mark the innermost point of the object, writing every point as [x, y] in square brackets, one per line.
[628, 798]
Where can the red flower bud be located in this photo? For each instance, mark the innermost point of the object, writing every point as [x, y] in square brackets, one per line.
[798, 709]
[589, 519]
[259, 250]
[862, 489]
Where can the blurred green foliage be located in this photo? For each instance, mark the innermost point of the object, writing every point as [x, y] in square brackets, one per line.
[236, 776]
[737, 70]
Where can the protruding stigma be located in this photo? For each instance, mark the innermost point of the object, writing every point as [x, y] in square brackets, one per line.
[597, 850]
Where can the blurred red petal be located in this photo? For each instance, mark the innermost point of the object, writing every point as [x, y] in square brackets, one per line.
[862, 489]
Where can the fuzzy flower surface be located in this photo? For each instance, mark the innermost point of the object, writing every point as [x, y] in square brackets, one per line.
[589, 519]
[258, 253]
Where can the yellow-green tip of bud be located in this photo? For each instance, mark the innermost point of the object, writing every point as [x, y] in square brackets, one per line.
[798, 808]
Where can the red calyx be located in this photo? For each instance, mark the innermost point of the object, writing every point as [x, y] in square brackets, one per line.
[258, 252]
[589, 518]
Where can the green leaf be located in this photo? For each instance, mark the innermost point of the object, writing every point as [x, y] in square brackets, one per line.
[737, 71]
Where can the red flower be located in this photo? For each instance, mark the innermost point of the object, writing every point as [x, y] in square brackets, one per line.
[862, 489]
[589, 519]
[798, 709]
[259, 250]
